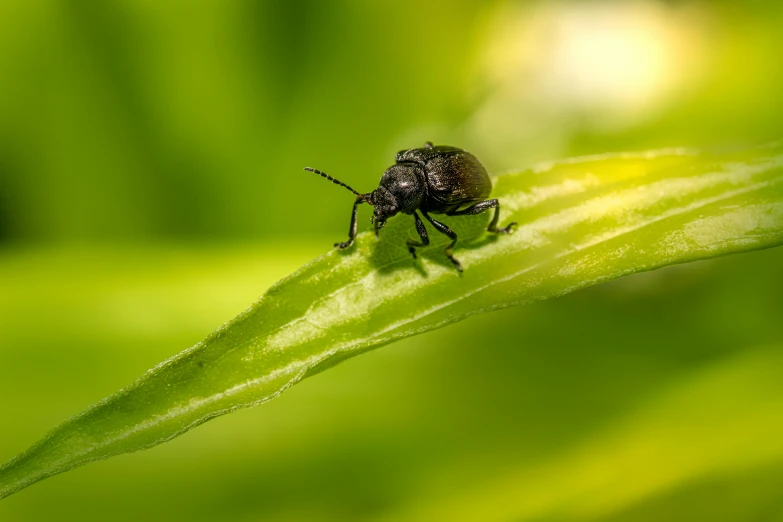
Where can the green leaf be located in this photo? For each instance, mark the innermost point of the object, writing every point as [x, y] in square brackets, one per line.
[582, 221]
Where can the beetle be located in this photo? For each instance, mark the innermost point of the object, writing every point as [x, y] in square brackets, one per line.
[432, 180]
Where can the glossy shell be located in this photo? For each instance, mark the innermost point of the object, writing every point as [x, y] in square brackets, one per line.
[455, 178]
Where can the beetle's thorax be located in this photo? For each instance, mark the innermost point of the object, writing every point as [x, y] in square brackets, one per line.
[406, 184]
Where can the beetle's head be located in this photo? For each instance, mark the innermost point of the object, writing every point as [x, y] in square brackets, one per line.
[385, 205]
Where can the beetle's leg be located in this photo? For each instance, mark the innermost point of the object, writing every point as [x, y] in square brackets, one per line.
[493, 226]
[352, 230]
[425, 239]
[478, 208]
[428, 145]
[443, 229]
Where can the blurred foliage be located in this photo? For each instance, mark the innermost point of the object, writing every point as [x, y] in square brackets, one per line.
[151, 187]
[136, 119]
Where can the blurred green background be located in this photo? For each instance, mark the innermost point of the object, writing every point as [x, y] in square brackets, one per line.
[151, 187]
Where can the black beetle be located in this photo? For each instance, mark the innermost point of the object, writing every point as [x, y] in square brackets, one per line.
[437, 180]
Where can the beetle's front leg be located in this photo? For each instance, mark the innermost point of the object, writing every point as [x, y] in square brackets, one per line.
[352, 230]
[425, 239]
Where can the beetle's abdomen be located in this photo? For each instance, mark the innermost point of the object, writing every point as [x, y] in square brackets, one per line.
[455, 180]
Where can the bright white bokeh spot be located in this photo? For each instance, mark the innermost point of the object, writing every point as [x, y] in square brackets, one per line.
[602, 65]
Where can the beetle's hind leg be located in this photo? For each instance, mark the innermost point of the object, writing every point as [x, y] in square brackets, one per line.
[443, 229]
[425, 239]
[480, 207]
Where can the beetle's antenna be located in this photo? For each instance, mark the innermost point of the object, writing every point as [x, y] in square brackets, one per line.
[335, 181]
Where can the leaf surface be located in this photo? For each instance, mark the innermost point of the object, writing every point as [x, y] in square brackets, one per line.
[582, 221]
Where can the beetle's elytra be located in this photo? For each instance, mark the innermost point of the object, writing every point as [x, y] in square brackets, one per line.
[432, 180]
